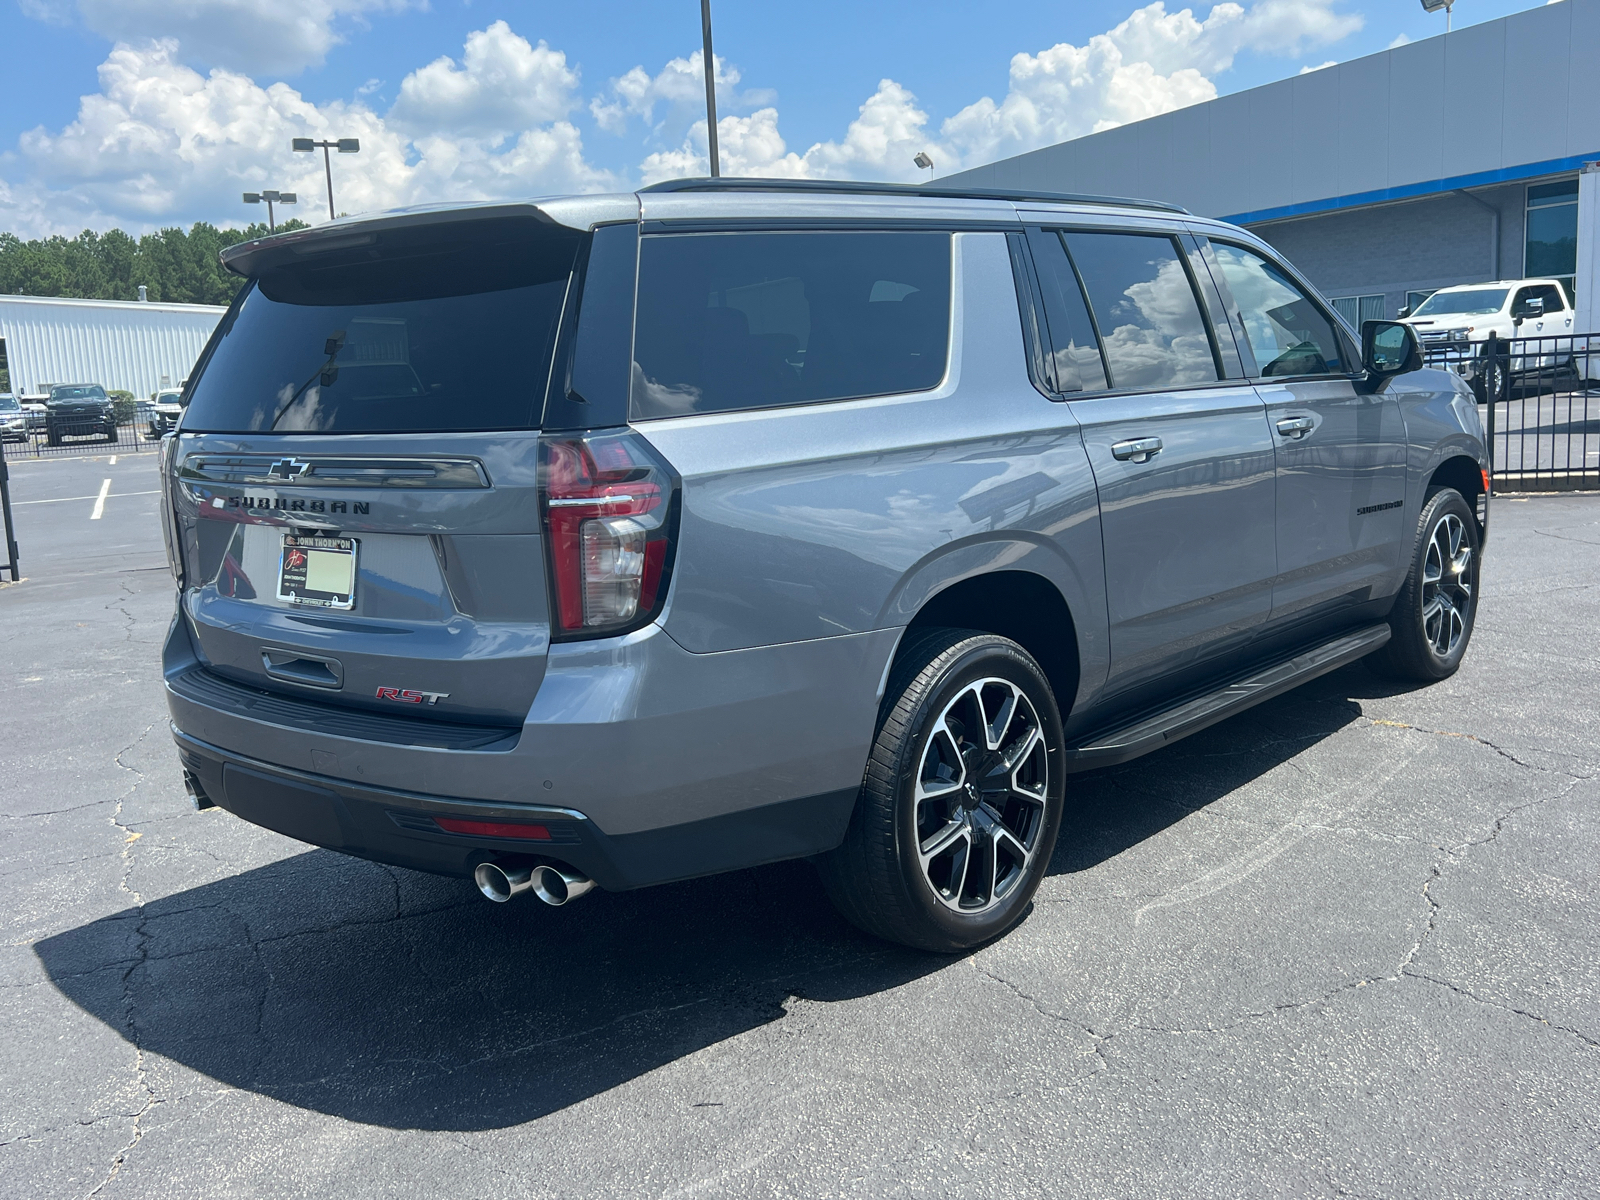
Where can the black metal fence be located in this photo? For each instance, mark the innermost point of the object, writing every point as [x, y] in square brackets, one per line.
[1539, 398]
[35, 442]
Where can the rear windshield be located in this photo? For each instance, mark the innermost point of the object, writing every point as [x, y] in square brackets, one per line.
[410, 332]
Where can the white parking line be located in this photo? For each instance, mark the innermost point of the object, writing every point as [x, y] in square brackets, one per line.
[100, 501]
[113, 461]
[65, 499]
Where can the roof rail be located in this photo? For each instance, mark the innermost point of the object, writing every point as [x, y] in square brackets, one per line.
[849, 187]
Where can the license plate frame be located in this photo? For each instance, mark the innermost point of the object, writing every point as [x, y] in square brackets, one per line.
[318, 571]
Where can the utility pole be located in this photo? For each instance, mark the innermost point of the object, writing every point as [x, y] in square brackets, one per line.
[711, 85]
[343, 146]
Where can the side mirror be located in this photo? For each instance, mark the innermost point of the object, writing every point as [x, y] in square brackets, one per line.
[1533, 306]
[1404, 312]
[1389, 348]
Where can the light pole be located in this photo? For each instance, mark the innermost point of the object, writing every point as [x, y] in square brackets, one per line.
[925, 161]
[711, 84]
[269, 199]
[343, 146]
[1436, 5]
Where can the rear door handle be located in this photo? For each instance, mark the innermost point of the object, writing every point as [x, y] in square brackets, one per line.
[1296, 427]
[1137, 450]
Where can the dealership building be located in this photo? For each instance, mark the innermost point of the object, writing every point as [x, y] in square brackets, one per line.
[131, 345]
[1458, 159]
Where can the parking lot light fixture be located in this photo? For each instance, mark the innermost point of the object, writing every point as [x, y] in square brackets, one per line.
[269, 199]
[924, 160]
[342, 145]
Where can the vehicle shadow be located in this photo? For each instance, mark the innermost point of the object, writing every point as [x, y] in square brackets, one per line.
[1111, 810]
[403, 1000]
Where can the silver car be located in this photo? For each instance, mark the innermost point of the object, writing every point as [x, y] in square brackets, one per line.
[612, 540]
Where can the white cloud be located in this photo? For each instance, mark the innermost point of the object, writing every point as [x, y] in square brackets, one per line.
[501, 85]
[678, 90]
[1332, 62]
[1150, 63]
[1403, 40]
[160, 141]
[272, 37]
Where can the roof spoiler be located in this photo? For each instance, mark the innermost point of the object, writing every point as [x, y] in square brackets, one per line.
[569, 213]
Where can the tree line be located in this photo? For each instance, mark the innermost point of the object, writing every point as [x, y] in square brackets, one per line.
[175, 266]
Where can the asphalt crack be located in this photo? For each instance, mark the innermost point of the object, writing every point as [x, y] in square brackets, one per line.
[1097, 1040]
[1471, 737]
[142, 950]
[1469, 994]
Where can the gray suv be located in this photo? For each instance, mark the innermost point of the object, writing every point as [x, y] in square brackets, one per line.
[613, 540]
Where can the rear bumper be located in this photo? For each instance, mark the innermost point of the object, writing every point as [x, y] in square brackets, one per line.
[400, 827]
[667, 764]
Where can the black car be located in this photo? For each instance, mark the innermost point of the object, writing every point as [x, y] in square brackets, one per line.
[79, 410]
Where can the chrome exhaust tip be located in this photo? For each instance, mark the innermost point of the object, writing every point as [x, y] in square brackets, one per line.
[557, 885]
[499, 883]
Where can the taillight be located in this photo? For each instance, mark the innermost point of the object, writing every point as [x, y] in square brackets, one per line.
[608, 502]
[171, 534]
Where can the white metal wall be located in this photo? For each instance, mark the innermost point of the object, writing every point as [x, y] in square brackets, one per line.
[114, 343]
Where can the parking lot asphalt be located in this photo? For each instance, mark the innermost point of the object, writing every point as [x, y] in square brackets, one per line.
[1343, 945]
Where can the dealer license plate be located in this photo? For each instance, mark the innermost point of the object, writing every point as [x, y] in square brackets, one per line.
[318, 570]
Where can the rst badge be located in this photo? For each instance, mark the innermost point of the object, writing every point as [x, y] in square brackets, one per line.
[410, 696]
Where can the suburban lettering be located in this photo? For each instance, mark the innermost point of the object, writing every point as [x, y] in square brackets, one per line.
[337, 506]
[362, 507]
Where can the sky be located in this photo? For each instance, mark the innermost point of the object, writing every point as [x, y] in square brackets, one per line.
[142, 114]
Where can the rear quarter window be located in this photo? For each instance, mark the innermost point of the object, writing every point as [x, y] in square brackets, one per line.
[749, 320]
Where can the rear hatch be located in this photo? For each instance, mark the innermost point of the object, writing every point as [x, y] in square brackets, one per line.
[356, 484]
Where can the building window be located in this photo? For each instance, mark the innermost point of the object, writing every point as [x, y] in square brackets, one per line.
[1552, 242]
[1357, 309]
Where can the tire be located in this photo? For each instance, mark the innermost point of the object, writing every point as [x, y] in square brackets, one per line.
[1433, 615]
[1490, 381]
[979, 840]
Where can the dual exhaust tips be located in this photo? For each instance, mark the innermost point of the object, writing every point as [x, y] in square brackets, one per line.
[554, 885]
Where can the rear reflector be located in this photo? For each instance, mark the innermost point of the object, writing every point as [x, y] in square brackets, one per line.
[499, 829]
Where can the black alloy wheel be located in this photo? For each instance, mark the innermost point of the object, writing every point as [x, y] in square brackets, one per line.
[962, 799]
[1432, 619]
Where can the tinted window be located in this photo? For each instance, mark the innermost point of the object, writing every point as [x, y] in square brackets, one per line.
[753, 320]
[94, 392]
[1076, 357]
[1548, 292]
[1288, 333]
[1145, 306]
[451, 334]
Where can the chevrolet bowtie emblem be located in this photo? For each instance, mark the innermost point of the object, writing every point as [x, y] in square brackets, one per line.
[288, 468]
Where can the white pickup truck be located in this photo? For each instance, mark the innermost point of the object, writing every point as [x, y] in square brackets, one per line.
[1462, 317]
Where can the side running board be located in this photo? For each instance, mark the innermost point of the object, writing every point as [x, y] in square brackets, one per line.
[1190, 716]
